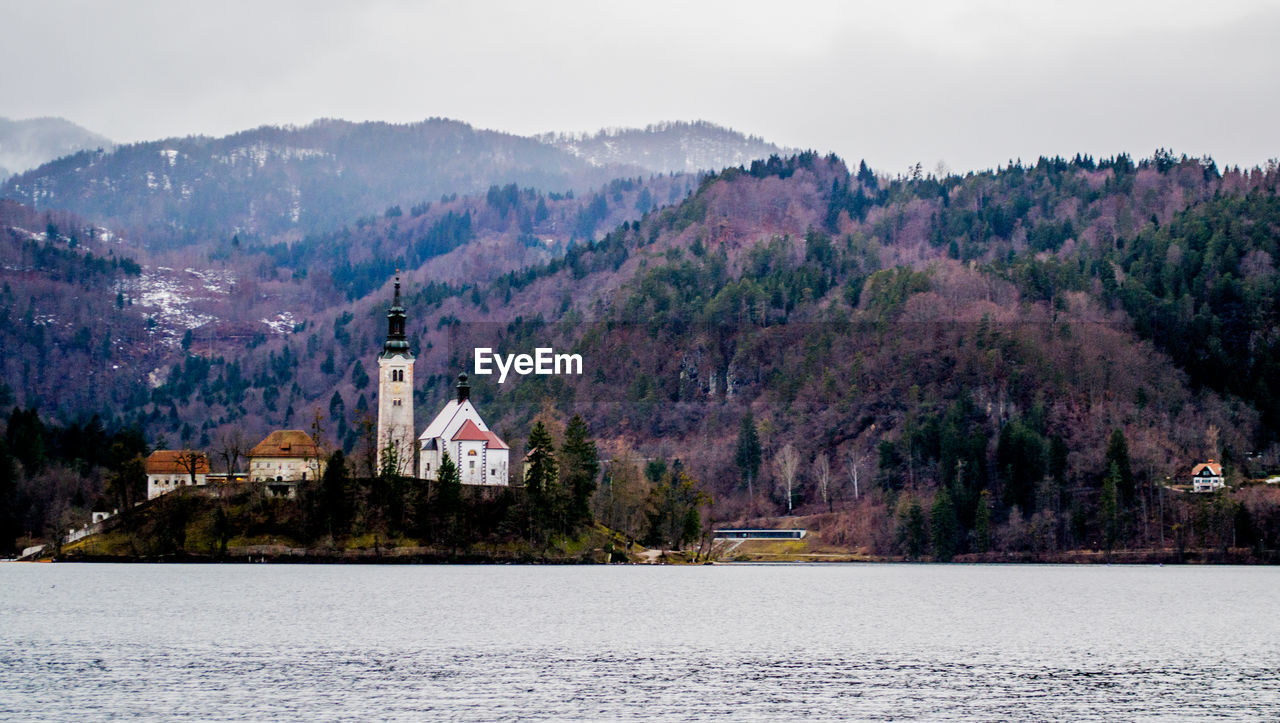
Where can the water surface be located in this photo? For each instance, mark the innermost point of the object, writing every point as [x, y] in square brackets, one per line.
[763, 642]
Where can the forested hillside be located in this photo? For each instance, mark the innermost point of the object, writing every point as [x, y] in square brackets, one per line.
[1015, 359]
[170, 317]
[63, 314]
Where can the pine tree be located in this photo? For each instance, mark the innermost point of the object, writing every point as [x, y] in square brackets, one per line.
[334, 495]
[1020, 457]
[540, 480]
[944, 525]
[359, 377]
[338, 409]
[749, 455]
[1118, 455]
[9, 527]
[449, 497]
[982, 523]
[1109, 507]
[913, 533]
[580, 465]
[675, 516]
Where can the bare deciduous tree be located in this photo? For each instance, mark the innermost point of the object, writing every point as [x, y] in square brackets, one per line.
[232, 445]
[622, 501]
[822, 470]
[193, 463]
[317, 436]
[851, 460]
[788, 463]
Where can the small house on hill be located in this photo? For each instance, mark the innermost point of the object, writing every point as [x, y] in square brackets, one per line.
[1207, 477]
[169, 469]
[282, 460]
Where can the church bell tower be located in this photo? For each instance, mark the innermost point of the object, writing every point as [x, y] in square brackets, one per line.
[395, 395]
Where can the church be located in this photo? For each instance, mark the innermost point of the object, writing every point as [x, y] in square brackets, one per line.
[458, 429]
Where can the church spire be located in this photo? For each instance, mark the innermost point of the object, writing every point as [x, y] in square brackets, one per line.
[396, 342]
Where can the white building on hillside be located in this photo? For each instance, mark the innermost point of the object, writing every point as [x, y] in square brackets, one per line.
[482, 458]
[169, 469]
[282, 460]
[1207, 477]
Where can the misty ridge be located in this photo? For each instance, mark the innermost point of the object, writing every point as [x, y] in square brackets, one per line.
[26, 144]
[317, 177]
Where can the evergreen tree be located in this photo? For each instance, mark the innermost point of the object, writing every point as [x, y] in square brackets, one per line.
[25, 436]
[359, 377]
[913, 533]
[1118, 455]
[127, 486]
[449, 498]
[540, 480]
[654, 470]
[982, 523]
[9, 528]
[944, 526]
[749, 454]
[334, 512]
[1109, 507]
[580, 465]
[1020, 458]
[675, 517]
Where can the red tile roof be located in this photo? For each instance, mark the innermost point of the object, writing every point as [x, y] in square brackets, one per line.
[494, 442]
[176, 461]
[469, 432]
[1214, 468]
[286, 443]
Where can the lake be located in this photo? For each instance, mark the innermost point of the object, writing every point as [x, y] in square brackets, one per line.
[741, 642]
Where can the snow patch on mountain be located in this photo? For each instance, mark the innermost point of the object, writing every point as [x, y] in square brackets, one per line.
[667, 147]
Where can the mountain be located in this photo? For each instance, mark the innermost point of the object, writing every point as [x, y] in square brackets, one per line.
[1029, 351]
[26, 144]
[73, 289]
[270, 180]
[765, 287]
[667, 147]
[284, 182]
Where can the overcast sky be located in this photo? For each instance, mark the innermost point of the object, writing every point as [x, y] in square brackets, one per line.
[970, 84]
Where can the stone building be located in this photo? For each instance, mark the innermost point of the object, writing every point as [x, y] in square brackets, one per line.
[169, 469]
[282, 460]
